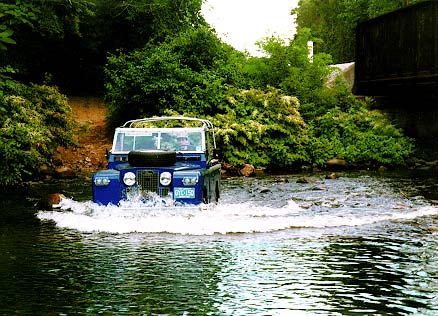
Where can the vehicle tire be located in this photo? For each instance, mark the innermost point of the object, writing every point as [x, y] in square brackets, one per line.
[151, 158]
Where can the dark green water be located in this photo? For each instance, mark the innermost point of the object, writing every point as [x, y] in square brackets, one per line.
[363, 244]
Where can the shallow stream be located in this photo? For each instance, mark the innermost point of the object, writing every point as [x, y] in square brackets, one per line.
[363, 244]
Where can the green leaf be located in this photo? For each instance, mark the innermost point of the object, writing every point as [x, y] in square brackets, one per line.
[8, 40]
[6, 33]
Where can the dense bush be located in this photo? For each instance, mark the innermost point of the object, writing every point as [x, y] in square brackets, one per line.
[264, 129]
[34, 121]
[360, 136]
[267, 130]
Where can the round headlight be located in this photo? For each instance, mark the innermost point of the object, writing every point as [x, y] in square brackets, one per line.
[165, 178]
[129, 178]
[98, 181]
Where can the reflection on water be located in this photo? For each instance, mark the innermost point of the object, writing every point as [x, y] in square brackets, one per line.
[358, 245]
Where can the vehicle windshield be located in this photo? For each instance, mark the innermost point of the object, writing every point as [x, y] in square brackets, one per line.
[177, 139]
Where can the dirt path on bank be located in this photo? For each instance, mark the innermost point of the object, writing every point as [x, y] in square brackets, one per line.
[91, 137]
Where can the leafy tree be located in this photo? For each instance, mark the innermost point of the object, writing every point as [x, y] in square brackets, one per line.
[12, 15]
[288, 67]
[66, 42]
[188, 72]
[129, 25]
[163, 58]
[47, 37]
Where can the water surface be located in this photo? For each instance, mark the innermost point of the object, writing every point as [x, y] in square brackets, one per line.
[363, 244]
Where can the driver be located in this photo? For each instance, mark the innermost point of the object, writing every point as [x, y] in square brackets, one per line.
[184, 143]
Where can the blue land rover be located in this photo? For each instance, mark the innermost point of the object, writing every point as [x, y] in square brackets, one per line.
[166, 157]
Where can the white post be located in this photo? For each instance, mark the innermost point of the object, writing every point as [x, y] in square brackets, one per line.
[310, 48]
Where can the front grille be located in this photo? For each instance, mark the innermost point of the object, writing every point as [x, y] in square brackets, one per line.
[147, 180]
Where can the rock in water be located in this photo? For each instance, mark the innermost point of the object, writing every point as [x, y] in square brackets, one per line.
[65, 172]
[332, 176]
[247, 170]
[51, 201]
[336, 163]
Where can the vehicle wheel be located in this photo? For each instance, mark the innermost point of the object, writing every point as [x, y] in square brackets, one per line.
[151, 158]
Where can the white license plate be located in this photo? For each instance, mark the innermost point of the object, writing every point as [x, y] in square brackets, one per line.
[184, 193]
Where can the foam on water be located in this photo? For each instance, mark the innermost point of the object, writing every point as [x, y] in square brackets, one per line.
[212, 219]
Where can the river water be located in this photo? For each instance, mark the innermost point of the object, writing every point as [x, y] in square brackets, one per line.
[363, 244]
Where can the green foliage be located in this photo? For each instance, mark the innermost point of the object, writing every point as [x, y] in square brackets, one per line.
[267, 130]
[263, 129]
[338, 124]
[127, 25]
[70, 39]
[5, 37]
[171, 17]
[360, 136]
[34, 121]
[12, 15]
[289, 67]
[5, 78]
[15, 13]
[163, 58]
[50, 18]
[191, 74]
[47, 36]
[187, 73]
[320, 101]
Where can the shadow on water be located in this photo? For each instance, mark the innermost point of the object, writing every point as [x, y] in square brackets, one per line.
[358, 245]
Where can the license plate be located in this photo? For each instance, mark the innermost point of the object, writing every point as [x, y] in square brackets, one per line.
[184, 193]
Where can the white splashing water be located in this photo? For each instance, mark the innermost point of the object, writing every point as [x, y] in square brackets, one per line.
[210, 219]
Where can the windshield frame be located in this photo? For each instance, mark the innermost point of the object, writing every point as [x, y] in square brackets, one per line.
[158, 133]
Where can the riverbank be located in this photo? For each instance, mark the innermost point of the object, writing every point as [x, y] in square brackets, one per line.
[91, 137]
